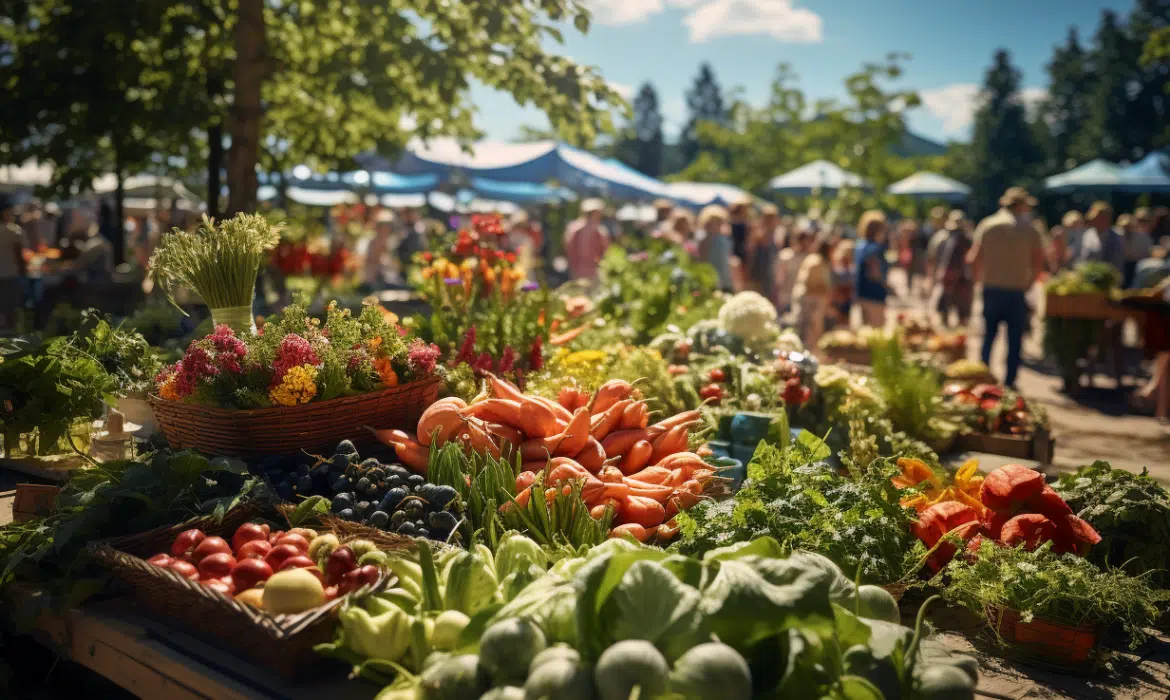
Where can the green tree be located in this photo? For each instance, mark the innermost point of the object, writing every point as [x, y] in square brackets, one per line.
[1065, 111]
[1149, 28]
[641, 145]
[704, 104]
[1003, 151]
[1112, 132]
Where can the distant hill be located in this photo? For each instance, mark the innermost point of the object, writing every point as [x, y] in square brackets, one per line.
[913, 146]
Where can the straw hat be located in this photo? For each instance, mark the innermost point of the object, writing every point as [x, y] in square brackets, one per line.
[769, 210]
[1016, 195]
[1073, 219]
[869, 218]
[956, 219]
[661, 204]
[1098, 209]
[713, 211]
[592, 204]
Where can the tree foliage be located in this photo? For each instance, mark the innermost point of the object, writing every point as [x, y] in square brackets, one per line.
[705, 104]
[642, 143]
[1065, 111]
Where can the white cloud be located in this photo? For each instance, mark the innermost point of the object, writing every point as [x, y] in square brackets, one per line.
[709, 19]
[778, 19]
[626, 91]
[956, 104]
[623, 11]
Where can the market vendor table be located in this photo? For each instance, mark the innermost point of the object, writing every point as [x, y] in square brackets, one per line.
[154, 660]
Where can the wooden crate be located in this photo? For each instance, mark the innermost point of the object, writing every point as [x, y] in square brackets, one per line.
[33, 501]
[1039, 446]
[1096, 306]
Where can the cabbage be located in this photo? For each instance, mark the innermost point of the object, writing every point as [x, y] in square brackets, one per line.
[507, 649]
[471, 584]
[518, 553]
[712, 671]
[559, 679]
[456, 678]
[630, 664]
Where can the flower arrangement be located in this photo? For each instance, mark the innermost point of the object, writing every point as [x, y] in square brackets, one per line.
[294, 359]
[472, 265]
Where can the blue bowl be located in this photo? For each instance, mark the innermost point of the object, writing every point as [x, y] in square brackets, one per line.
[721, 448]
[750, 428]
[731, 469]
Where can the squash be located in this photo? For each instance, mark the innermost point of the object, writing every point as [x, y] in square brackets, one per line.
[559, 679]
[456, 678]
[633, 663]
[292, 591]
[944, 682]
[507, 692]
[876, 603]
[553, 653]
[507, 649]
[712, 671]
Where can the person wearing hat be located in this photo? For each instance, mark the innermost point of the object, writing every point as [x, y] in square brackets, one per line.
[680, 227]
[586, 239]
[950, 273]
[1101, 242]
[1008, 256]
[1138, 243]
[715, 244]
[663, 209]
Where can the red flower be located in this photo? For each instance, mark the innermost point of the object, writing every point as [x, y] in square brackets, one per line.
[467, 349]
[507, 360]
[483, 363]
[422, 357]
[536, 354]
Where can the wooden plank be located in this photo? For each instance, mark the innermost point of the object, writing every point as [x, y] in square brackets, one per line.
[58, 468]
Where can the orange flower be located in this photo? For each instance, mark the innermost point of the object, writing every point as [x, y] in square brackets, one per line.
[914, 472]
[375, 342]
[385, 370]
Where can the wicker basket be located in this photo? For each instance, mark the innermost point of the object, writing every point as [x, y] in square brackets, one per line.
[282, 643]
[286, 430]
[1045, 641]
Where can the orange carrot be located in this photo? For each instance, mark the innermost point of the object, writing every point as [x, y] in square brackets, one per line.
[634, 530]
[636, 458]
[668, 530]
[651, 491]
[409, 452]
[685, 496]
[572, 398]
[611, 475]
[505, 434]
[537, 420]
[570, 442]
[562, 413]
[502, 411]
[652, 475]
[534, 466]
[524, 480]
[604, 423]
[635, 416]
[592, 456]
[680, 418]
[566, 337]
[597, 512]
[610, 393]
[680, 457]
[620, 442]
[523, 497]
[503, 389]
[641, 510]
[671, 442]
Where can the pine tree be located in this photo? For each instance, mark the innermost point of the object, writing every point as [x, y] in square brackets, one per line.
[1149, 24]
[1113, 131]
[642, 145]
[1066, 110]
[705, 104]
[1004, 151]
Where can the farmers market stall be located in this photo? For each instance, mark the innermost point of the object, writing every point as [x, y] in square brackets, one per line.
[642, 488]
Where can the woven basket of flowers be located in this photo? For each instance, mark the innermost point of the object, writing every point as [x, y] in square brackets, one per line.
[298, 383]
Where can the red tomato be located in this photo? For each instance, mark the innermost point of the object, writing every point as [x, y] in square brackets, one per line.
[216, 565]
[250, 572]
[162, 560]
[256, 549]
[217, 585]
[209, 546]
[247, 533]
[185, 569]
[280, 554]
[297, 562]
[717, 375]
[295, 540]
[275, 535]
[186, 541]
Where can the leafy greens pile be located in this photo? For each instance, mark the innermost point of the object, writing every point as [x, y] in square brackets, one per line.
[1130, 511]
[1062, 587]
[795, 497]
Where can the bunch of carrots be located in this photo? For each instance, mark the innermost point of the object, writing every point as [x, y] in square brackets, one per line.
[605, 441]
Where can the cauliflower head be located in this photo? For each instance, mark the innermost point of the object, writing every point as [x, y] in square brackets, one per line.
[749, 316]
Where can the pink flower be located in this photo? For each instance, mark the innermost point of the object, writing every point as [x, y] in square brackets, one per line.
[293, 352]
[422, 357]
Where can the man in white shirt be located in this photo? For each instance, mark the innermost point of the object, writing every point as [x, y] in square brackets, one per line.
[1101, 242]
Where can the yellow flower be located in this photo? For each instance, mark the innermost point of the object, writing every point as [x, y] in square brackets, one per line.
[298, 386]
[583, 357]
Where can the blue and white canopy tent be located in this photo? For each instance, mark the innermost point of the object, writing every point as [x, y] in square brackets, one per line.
[537, 162]
[1095, 176]
[817, 177]
[1150, 174]
[701, 194]
[928, 185]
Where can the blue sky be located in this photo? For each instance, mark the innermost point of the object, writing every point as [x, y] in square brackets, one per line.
[950, 41]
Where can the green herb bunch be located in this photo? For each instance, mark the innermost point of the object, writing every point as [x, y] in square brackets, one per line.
[219, 261]
[802, 502]
[1061, 587]
[912, 393]
[123, 353]
[1130, 511]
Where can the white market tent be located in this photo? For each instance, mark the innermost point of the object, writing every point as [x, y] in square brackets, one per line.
[636, 213]
[819, 176]
[700, 194]
[1150, 174]
[537, 162]
[1097, 175]
[25, 176]
[928, 185]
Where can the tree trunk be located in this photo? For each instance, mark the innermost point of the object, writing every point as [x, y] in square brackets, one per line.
[214, 164]
[248, 73]
[118, 240]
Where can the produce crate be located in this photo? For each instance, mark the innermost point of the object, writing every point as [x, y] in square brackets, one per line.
[281, 643]
[313, 426]
[1091, 305]
[33, 501]
[1049, 642]
[1039, 447]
